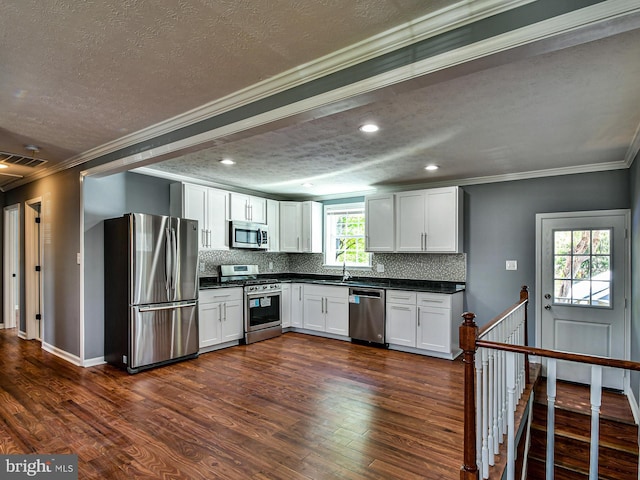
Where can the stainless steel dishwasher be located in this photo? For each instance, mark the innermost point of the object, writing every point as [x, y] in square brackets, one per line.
[367, 314]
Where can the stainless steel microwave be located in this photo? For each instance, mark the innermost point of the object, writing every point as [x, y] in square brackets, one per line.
[249, 235]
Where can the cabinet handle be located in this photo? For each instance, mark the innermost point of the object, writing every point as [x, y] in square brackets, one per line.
[406, 309]
[225, 311]
[209, 238]
[299, 293]
[220, 313]
[298, 243]
[425, 300]
[418, 316]
[425, 240]
[326, 305]
[203, 240]
[422, 241]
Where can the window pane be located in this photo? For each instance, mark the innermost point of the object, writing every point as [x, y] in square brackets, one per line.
[562, 242]
[562, 266]
[344, 236]
[601, 242]
[600, 294]
[581, 267]
[581, 241]
[600, 267]
[562, 291]
[581, 293]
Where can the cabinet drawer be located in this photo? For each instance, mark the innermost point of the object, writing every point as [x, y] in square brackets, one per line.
[326, 291]
[434, 300]
[220, 295]
[401, 296]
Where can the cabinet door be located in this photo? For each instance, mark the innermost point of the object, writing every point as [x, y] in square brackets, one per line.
[273, 221]
[442, 220]
[410, 215]
[337, 315]
[379, 223]
[401, 324]
[258, 209]
[239, 206]
[195, 207]
[285, 305]
[297, 305]
[434, 329]
[210, 318]
[232, 321]
[290, 226]
[314, 318]
[217, 210]
[311, 227]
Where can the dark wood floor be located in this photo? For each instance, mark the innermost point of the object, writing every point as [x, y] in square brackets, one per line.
[294, 407]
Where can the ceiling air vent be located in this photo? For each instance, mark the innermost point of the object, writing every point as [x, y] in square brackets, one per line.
[23, 160]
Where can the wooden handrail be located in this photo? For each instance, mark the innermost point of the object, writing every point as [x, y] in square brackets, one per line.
[573, 357]
[496, 321]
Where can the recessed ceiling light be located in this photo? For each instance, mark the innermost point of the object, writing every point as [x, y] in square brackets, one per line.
[2, 165]
[227, 161]
[307, 185]
[369, 128]
[431, 168]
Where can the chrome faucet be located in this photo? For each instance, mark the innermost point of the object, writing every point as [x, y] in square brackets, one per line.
[345, 274]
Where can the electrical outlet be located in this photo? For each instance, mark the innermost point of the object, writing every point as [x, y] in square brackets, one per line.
[380, 268]
[270, 265]
[512, 265]
[202, 266]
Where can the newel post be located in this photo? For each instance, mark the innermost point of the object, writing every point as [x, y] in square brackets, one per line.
[468, 336]
[524, 295]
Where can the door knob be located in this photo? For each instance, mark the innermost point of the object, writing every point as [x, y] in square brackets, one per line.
[547, 307]
[547, 296]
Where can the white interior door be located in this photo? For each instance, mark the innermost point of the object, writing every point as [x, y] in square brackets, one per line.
[11, 266]
[582, 299]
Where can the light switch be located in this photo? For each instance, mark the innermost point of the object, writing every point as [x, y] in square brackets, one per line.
[512, 265]
[78, 258]
[380, 268]
[270, 266]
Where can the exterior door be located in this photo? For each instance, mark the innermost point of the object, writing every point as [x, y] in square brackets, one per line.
[582, 302]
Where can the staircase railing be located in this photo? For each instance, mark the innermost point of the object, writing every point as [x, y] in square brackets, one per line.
[496, 370]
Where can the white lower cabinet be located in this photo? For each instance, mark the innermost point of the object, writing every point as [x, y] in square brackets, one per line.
[326, 309]
[297, 305]
[424, 322]
[221, 316]
[285, 305]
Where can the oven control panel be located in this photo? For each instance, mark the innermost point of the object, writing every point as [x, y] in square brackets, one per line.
[262, 288]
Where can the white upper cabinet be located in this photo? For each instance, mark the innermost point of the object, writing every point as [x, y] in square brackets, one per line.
[273, 221]
[290, 226]
[209, 207]
[379, 223]
[248, 208]
[301, 227]
[429, 220]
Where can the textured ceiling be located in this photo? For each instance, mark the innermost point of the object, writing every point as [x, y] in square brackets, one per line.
[76, 75]
[574, 107]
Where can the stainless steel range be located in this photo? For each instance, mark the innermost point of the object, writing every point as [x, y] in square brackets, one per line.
[262, 301]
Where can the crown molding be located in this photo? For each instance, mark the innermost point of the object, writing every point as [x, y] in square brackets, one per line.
[634, 148]
[411, 32]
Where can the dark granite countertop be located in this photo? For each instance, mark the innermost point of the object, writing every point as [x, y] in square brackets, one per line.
[386, 283]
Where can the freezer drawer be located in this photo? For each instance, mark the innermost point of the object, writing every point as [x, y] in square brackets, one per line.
[161, 333]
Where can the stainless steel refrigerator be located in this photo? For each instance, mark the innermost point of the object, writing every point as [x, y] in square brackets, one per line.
[150, 290]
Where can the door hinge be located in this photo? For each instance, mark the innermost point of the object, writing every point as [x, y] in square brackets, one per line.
[38, 268]
[38, 316]
[37, 219]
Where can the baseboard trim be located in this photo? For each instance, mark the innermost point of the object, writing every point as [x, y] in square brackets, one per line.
[69, 357]
[22, 335]
[92, 362]
[633, 403]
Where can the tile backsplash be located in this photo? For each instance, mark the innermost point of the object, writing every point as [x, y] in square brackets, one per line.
[417, 266]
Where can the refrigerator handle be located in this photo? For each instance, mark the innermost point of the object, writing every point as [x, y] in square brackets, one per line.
[171, 306]
[175, 259]
[168, 258]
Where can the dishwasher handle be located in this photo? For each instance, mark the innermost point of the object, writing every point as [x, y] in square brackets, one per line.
[366, 293]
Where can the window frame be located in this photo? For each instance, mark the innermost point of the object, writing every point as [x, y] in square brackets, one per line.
[329, 210]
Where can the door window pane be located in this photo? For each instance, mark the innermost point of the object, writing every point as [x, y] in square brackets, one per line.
[582, 267]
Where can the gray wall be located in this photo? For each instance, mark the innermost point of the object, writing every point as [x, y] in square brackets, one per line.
[61, 274]
[104, 198]
[500, 226]
[634, 180]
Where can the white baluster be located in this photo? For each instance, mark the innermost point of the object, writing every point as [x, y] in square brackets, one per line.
[485, 414]
[551, 415]
[479, 411]
[596, 401]
[496, 396]
[490, 411]
[511, 434]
